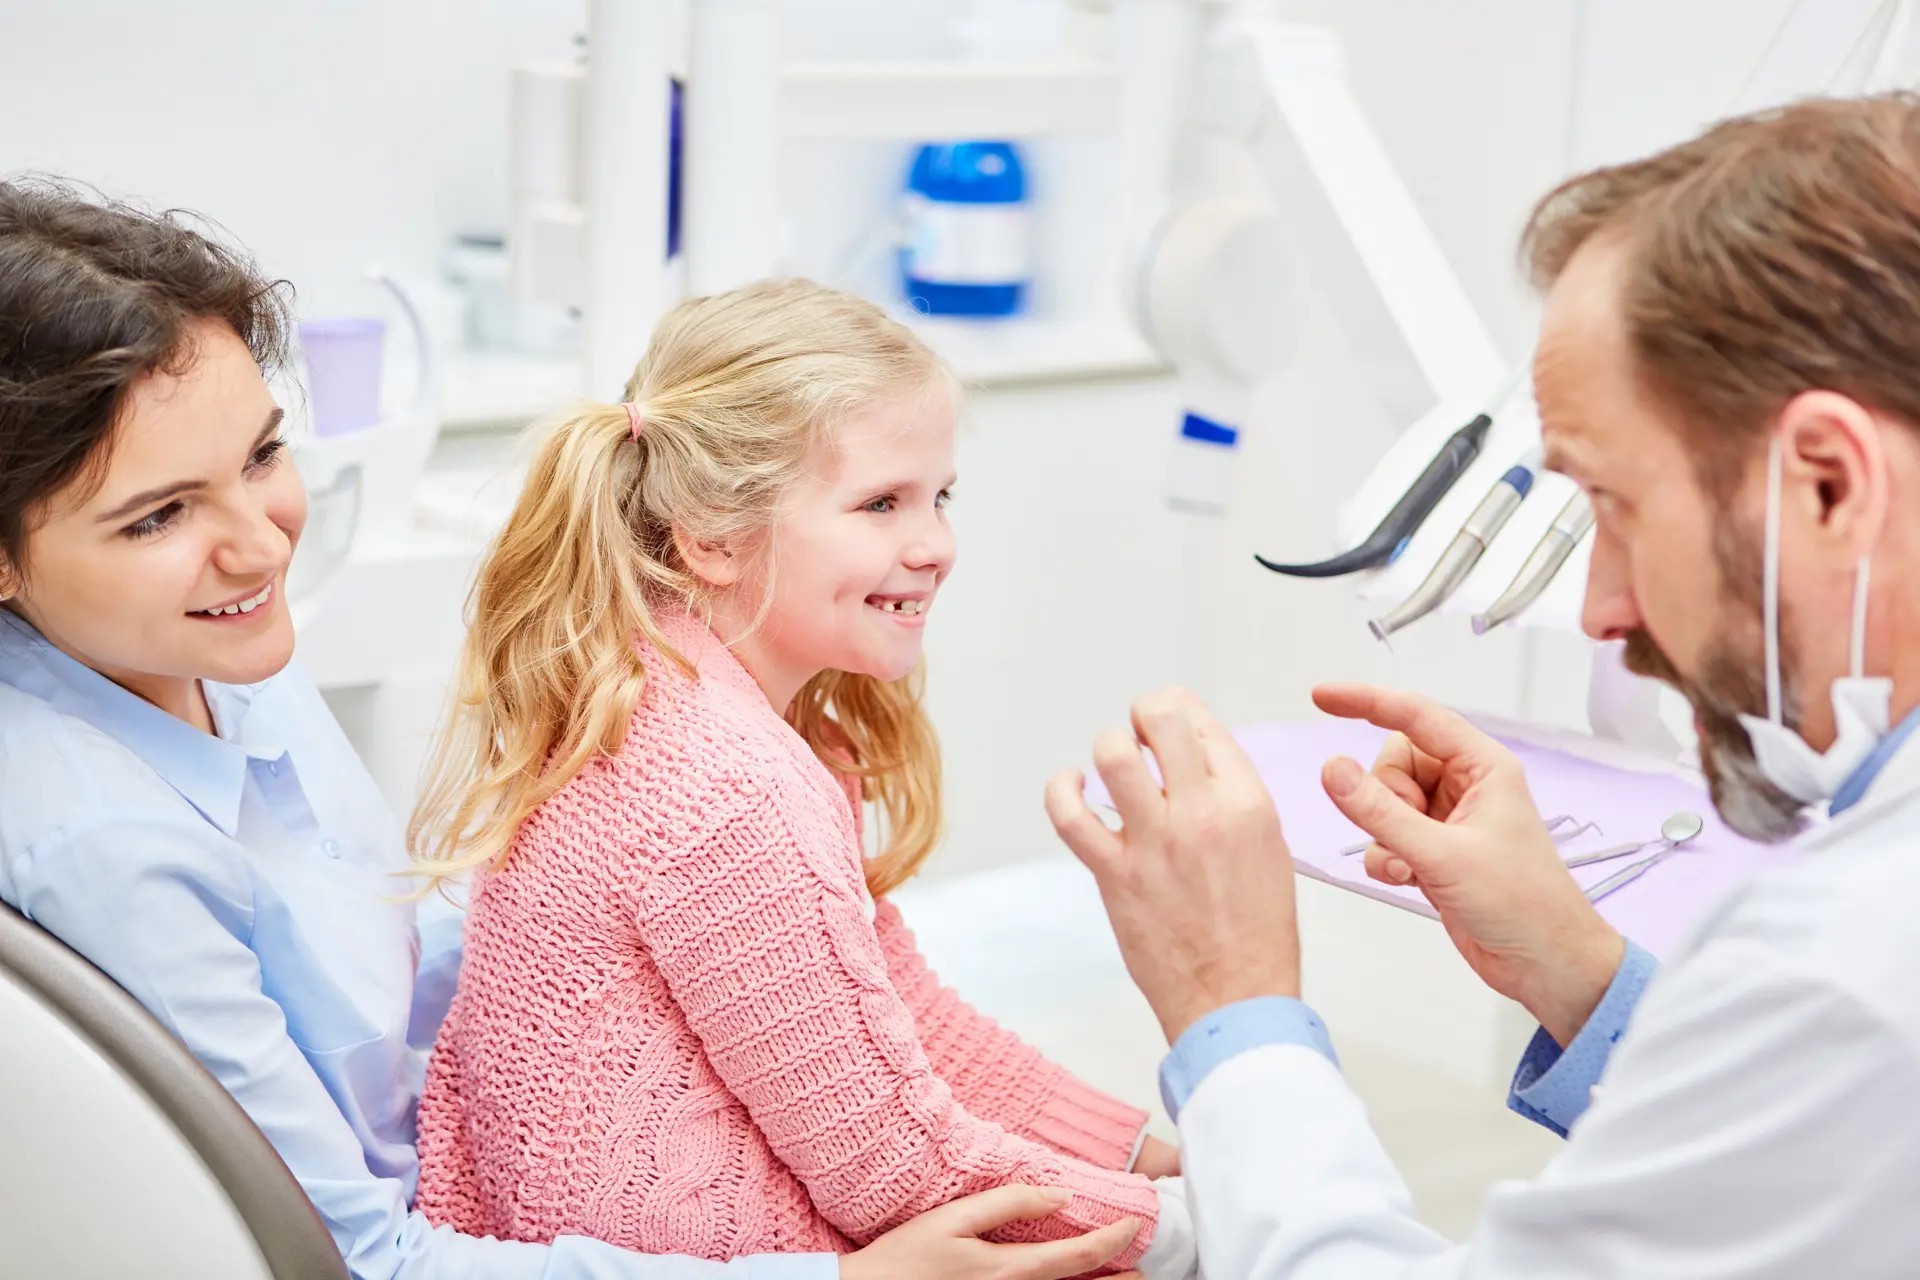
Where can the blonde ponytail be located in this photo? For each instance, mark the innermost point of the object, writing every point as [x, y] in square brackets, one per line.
[734, 390]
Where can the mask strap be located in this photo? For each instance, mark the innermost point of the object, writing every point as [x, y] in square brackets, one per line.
[1861, 576]
[1770, 583]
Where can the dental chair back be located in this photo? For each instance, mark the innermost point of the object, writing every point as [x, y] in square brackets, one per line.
[119, 1155]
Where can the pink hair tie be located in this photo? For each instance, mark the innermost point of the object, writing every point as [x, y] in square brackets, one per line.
[633, 417]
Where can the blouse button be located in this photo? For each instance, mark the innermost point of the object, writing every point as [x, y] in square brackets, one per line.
[330, 847]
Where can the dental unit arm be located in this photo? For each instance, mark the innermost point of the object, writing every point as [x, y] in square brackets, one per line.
[1286, 213]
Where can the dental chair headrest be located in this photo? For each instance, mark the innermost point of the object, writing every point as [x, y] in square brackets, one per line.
[287, 1232]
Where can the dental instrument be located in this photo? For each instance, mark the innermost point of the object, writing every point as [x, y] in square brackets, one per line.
[1674, 832]
[1553, 825]
[1391, 535]
[1613, 851]
[1555, 545]
[1607, 854]
[1465, 550]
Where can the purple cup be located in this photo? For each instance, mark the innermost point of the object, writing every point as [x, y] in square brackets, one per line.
[343, 357]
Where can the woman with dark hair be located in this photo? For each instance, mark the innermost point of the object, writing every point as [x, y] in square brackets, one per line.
[176, 801]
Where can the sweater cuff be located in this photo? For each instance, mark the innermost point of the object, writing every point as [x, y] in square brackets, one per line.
[1080, 1121]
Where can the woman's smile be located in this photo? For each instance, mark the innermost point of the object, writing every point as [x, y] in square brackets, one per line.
[254, 607]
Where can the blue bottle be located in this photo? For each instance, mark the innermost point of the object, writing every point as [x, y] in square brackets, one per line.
[966, 250]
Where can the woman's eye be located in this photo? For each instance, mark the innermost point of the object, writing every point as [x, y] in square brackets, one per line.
[266, 456]
[156, 522]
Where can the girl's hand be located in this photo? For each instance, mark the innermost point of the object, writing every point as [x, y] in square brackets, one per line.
[944, 1243]
[1157, 1159]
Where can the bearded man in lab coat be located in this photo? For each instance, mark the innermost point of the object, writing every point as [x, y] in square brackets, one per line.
[1729, 364]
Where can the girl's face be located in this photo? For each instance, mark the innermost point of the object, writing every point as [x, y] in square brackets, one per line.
[861, 549]
[172, 570]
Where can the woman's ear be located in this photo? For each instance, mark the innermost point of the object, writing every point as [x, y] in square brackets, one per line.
[9, 582]
[712, 563]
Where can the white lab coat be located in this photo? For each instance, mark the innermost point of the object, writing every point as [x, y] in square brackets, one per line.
[1761, 1118]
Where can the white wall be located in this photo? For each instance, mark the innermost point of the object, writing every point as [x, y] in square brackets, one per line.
[1651, 72]
[323, 135]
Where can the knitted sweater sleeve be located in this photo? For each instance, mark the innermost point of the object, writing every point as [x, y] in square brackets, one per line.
[995, 1074]
[761, 935]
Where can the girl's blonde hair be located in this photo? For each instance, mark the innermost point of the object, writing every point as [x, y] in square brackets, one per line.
[735, 391]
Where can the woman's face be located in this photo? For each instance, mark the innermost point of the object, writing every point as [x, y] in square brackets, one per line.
[173, 569]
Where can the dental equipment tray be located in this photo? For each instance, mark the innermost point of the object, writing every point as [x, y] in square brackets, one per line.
[1627, 793]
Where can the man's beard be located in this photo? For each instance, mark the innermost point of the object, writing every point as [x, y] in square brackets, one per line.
[1732, 683]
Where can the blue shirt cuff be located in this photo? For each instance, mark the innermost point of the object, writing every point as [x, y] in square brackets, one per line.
[793, 1266]
[1552, 1087]
[1231, 1031]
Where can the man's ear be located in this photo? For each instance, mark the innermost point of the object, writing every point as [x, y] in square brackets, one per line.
[1836, 450]
[712, 563]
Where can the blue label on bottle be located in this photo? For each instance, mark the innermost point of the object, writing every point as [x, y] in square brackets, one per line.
[1207, 431]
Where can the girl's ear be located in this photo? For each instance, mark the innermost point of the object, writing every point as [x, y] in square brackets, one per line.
[712, 563]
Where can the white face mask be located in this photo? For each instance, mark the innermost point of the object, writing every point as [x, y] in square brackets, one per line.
[1862, 705]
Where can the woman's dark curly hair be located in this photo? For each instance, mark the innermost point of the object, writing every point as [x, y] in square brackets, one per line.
[95, 294]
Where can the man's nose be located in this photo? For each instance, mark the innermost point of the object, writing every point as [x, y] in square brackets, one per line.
[1610, 612]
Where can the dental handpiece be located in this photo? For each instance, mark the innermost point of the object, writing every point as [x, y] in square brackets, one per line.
[1464, 551]
[1390, 536]
[1555, 545]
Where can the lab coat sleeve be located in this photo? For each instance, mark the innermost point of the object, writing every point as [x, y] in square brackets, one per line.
[1756, 1124]
[1553, 1088]
[1232, 1030]
[165, 910]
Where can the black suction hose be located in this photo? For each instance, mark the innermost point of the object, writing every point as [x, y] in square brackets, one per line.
[1415, 505]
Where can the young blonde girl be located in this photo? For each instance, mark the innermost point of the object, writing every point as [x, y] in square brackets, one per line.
[687, 1020]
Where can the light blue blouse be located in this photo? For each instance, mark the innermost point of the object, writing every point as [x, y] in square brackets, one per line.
[242, 888]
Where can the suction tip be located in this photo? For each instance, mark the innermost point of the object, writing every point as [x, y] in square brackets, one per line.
[1481, 624]
[1380, 633]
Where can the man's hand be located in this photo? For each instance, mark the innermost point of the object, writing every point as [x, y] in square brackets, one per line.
[1198, 882]
[945, 1244]
[1449, 811]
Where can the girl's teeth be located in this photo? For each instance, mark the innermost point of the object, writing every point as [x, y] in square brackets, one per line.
[903, 606]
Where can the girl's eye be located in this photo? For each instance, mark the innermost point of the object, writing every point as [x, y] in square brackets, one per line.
[156, 522]
[882, 505]
[266, 456]
[944, 500]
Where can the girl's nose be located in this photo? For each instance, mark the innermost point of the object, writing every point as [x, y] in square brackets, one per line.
[934, 548]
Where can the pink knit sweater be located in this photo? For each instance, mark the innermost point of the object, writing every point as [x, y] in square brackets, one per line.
[683, 1026]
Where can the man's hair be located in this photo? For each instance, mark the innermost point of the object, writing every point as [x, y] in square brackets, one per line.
[1776, 253]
